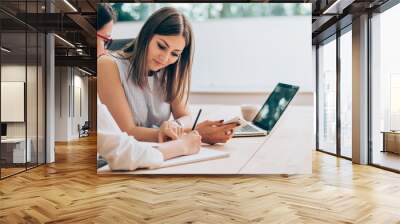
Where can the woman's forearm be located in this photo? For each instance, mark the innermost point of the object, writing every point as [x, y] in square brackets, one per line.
[185, 121]
[171, 149]
[144, 134]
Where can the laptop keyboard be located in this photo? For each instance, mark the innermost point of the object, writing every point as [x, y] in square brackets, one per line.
[248, 128]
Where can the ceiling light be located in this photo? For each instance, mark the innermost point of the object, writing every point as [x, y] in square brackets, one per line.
[64, 40]
[84, 71]
[338, 6]
[70, 5]
[5, 50]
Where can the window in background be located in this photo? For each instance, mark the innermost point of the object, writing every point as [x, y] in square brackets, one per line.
[346, 94]
[395, 102]
[327, 97]
[207, 11]
[231, 45]
[385, 82]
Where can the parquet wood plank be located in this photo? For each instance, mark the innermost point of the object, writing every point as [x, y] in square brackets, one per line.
[69, 191]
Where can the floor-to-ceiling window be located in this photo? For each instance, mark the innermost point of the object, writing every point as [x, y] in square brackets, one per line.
[346, 93]
[327, 96]
[22, 87]
[385, 89]
[334, 86]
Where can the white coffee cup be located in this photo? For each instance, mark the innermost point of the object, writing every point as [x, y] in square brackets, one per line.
[249, 112]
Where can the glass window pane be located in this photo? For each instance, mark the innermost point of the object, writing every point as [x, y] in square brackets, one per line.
[15, 150]
[386, 89]
[346, 94]
[327, 97]
[13, 85]
[41, 98]
[22, 87]
[31, 100]
[208, 11]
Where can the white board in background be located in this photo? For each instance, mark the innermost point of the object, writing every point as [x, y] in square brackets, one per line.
[12, 101]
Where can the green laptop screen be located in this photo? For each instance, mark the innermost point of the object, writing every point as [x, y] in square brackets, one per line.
[275, 105]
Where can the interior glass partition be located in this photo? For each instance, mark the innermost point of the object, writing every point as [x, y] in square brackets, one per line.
[31, 100]
[22, 88]
[15, 149]
[41, 107]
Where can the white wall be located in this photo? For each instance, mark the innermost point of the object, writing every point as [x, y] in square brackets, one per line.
[67, 114]
[237, 98]
[79, 117]
[247, 54]
[62, 81]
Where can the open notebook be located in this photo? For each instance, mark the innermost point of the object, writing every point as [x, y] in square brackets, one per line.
[203, 155]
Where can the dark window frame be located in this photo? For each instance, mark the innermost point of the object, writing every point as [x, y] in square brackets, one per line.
[31, 30]
[334, 37]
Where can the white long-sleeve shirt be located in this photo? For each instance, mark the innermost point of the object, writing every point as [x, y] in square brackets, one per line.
[122, 152]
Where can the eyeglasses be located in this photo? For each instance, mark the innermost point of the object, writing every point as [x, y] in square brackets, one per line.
[107, 40]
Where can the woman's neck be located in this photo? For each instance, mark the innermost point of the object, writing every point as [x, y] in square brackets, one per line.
[100, 48]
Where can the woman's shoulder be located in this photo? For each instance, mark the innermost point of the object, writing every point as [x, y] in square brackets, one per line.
[106, 60]
[113, 59]
[107, 67]
[111, 65]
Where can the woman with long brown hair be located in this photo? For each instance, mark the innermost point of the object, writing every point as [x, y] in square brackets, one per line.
[150, 79]
[105, 22]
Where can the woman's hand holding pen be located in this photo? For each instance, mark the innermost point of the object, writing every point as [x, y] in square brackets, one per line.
[170, 130]
[191, 142]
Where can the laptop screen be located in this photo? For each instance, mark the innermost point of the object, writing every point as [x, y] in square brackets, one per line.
[275, 105]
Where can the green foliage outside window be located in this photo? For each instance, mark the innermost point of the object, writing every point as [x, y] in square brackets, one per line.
[208, 11]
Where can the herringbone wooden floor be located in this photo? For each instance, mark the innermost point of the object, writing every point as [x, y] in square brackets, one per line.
[69, 191]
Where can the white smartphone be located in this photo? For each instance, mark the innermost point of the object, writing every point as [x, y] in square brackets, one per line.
[236, 120]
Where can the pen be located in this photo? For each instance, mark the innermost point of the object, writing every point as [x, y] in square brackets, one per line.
[197, 118]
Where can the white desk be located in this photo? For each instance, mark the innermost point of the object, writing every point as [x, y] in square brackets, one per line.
[288, 149]
[16, 146]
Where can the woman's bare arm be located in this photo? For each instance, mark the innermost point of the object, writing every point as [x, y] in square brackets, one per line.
[181, 112]
[112, 94]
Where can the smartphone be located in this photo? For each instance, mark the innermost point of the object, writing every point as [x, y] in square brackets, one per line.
[237, 120]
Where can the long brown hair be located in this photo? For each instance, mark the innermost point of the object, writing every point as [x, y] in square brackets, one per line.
[175, 78]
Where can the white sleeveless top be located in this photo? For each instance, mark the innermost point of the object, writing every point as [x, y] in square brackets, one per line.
[148, 105]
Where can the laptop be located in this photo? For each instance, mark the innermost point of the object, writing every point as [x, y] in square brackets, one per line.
[270, 112]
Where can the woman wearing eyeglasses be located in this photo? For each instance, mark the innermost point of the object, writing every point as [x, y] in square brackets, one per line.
[105, 22]
[149, 81]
